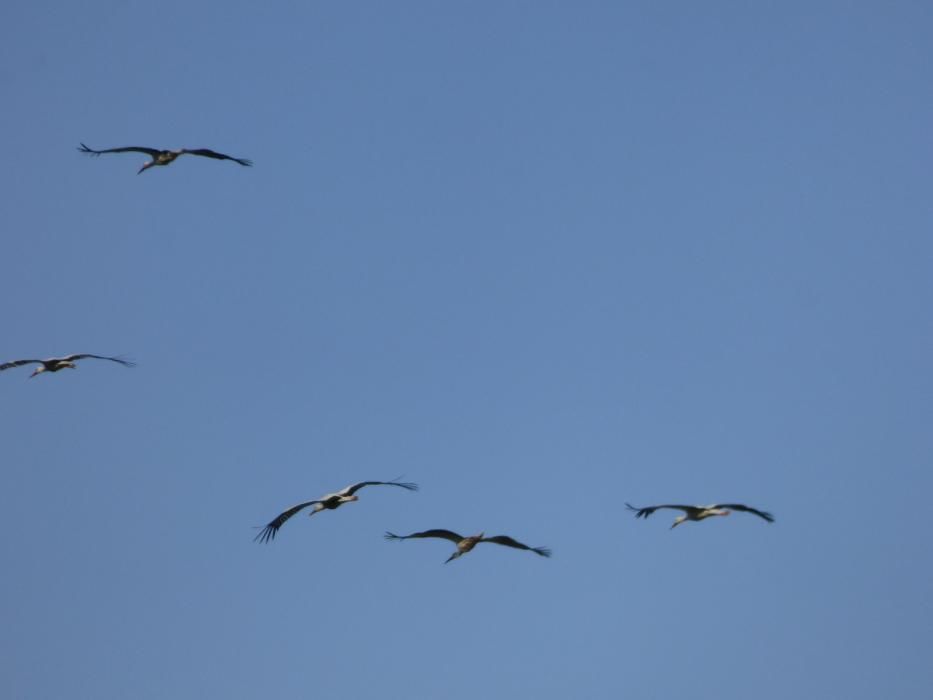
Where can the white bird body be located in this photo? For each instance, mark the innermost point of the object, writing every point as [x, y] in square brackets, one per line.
[698, 513]
[54, 364]
[331, 501]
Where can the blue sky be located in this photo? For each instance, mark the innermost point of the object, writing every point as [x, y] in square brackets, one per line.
[541, 258]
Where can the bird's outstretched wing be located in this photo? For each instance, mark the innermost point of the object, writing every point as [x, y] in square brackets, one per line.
[153, 152]
[353, 488]
[746, 509]
[645, 512]
[84, 355]
[269, 531]
[442, 534]
[208, 153]
[509, 542]
[18, 363]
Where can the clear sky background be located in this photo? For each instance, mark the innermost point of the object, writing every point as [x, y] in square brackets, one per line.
[541, 258]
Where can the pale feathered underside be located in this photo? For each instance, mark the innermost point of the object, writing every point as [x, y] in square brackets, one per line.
[66, 358]
[331, 500]
[696, 510]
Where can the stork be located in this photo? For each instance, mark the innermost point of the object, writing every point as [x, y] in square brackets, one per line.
[331, 501]
[54, 364]
[164, 157]
[465, 544]
[701, 512]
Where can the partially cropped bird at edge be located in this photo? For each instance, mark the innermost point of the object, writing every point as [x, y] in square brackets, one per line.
[698, 513]
[331, 501]
[54, 364]
[164, 157]
[465, 544]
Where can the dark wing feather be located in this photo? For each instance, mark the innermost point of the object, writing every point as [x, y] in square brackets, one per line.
[18, 363]
[208, 153]
[443, 534]
[509, 542]
[269, 531]
[350, 490]
[153, 152]
[745, 509]
[81, 356]
[645, 512]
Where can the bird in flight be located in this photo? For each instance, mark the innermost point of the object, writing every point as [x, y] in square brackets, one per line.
[465, 544]
[701, 512]
[160, 157]
[331, 501]
[53, 364]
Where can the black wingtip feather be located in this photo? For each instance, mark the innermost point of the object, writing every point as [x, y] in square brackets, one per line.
[267, 534]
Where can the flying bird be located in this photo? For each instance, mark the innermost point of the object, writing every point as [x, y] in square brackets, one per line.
[465, 544]
[331, 501]
[53, 364]
[160, 157]
[701, 512]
